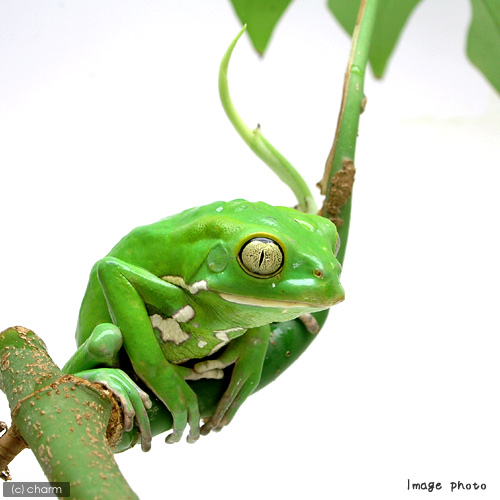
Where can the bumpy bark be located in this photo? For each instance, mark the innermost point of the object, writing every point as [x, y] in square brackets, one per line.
[64, 420]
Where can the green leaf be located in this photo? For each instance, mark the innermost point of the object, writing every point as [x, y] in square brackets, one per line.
[260, 16]
[483, 41]
[391, 18]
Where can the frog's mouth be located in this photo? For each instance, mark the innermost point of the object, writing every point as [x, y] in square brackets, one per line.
[202, 285]
[282, 304]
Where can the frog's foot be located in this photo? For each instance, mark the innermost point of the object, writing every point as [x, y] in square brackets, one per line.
[247, 353]
[230, 401]
[133, 400]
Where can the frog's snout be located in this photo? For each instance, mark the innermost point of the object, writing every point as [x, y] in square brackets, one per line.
[329, 276]
[338, 294]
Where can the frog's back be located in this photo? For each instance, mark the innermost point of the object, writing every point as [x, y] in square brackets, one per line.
[151, 246]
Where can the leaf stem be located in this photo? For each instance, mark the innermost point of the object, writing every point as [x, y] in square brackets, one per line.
[259, 144]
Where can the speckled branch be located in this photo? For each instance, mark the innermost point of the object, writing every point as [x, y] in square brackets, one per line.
[64, 420]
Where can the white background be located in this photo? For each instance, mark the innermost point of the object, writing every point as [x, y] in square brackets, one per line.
[109, 118]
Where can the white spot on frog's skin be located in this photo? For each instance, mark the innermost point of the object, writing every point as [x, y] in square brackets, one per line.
[235, 329]
[184, 314]
[304, 224]
[169, 329]
[253, 301]
[201, 344]
[217, 347]
[222, 336]
[192, 289]
[156, 320]
[220, 209]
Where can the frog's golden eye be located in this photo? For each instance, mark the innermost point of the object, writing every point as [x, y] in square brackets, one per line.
[261, 257]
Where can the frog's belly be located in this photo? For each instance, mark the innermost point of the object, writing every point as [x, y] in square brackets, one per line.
[180, 344]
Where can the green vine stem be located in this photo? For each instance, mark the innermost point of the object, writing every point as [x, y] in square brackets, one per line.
[63, 419]
[259, 144]
[338, 177]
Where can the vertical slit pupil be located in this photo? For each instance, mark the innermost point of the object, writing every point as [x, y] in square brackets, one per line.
[261, 257]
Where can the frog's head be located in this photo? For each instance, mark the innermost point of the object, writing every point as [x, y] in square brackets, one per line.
[261, 256]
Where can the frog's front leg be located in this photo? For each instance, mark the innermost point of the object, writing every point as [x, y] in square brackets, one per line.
[247, 353]
[127, 290]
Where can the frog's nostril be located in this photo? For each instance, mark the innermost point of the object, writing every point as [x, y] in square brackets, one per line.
[318, 273]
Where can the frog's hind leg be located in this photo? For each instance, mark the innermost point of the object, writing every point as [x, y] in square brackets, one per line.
[99, 350]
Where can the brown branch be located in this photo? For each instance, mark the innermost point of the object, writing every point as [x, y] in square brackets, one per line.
[11, 444]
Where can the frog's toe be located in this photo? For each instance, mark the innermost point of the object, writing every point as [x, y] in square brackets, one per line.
[133, 401]
[174, 437]
[214, 425]
[212, 374]
[141, 402]
[206, 428]
[146, 400]
[183, 414]
[127, 410]
[193, 437]
[208, 366]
